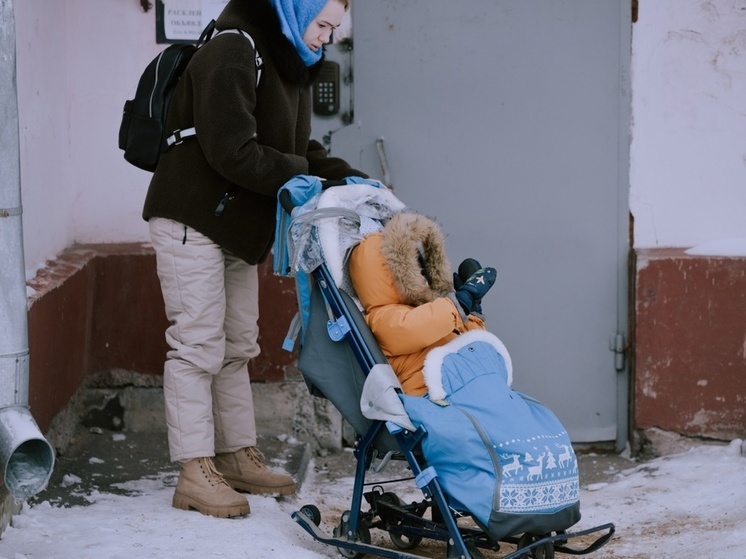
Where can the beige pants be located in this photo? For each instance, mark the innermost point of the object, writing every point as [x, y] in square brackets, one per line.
[211, 300]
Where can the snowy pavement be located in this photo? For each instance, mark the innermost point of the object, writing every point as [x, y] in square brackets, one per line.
[691, 504]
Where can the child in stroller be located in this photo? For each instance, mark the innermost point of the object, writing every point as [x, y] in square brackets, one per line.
[476, 448]
[403, 280]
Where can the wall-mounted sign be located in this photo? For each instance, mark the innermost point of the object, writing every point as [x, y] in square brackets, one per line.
[182, 21]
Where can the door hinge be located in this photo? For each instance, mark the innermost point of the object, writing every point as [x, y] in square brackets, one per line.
[618, 344]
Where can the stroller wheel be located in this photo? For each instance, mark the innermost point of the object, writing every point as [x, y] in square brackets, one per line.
[545, 551]
[312, 512]
[342, 531]
[403, 541]
[383, 507]
[391, 498]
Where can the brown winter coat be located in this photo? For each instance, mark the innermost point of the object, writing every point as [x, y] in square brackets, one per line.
[407, 315]
[250, 140]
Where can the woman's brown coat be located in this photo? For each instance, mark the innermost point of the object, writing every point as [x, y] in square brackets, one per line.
[250, 139]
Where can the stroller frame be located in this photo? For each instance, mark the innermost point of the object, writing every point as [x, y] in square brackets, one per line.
[406, 524]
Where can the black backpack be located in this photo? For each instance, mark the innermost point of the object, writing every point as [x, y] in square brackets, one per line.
[141, 134]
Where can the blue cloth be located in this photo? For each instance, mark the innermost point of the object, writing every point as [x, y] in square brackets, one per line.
[301, 189]
[495, 450]
[295, 17]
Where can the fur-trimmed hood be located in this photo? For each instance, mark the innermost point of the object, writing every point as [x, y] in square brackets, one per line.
[405, 263]
[414, 249]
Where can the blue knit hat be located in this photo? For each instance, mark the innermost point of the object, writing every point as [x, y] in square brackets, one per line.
[295, 17]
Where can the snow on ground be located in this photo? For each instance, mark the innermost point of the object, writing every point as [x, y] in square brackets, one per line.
[687, 505]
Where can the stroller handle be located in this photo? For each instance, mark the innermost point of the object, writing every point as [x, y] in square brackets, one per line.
[287, 203]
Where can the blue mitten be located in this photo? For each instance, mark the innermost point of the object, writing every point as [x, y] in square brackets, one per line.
[469, 294]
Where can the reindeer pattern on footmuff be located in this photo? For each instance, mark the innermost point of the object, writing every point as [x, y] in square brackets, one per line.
[498, 454]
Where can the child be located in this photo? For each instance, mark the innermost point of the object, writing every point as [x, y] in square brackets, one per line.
[404, 281]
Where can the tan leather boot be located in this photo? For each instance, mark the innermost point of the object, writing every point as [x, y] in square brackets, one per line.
[245, 470]
[202, 488]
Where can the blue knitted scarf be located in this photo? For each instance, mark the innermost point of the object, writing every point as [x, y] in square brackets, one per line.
[295, 17]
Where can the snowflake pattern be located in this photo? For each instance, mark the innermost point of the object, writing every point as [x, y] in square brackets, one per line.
[543, 497]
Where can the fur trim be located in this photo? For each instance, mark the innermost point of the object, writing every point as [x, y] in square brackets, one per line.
[409, 239]
[434, 360]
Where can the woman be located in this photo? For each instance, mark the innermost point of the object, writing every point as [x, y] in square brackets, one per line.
[210, 209]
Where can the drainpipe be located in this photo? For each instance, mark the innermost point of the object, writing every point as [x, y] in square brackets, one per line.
[26, 458]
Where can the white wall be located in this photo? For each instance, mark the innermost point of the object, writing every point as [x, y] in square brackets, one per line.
[78, 60]
[41, 81]
[688, 153]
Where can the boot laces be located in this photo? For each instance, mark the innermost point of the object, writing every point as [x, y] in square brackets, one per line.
[214, 477]
[256, 456]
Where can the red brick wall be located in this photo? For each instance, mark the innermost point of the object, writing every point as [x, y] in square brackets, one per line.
[99, 307]
[58, 331]
[690, 343]
[127, 321]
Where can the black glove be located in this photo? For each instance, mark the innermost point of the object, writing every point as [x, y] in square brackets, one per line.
[469, 293]
[465, 271]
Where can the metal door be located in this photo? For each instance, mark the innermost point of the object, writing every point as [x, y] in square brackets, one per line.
[507, 121]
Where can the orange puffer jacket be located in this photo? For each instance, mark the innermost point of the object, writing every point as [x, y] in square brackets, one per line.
[408, 314]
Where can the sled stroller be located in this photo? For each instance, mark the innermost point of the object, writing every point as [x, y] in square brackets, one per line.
[469, 503]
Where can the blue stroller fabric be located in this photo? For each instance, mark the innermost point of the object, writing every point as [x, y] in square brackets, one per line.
[301, 189]
[500, 455]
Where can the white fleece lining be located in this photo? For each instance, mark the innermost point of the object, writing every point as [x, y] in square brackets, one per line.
[329, 234]
[347, 197]
[434, 360]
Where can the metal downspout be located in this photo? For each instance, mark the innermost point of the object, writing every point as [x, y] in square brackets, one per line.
[26, 458]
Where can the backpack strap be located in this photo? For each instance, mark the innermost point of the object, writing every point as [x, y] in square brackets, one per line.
[257, 57]
[178, 135]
